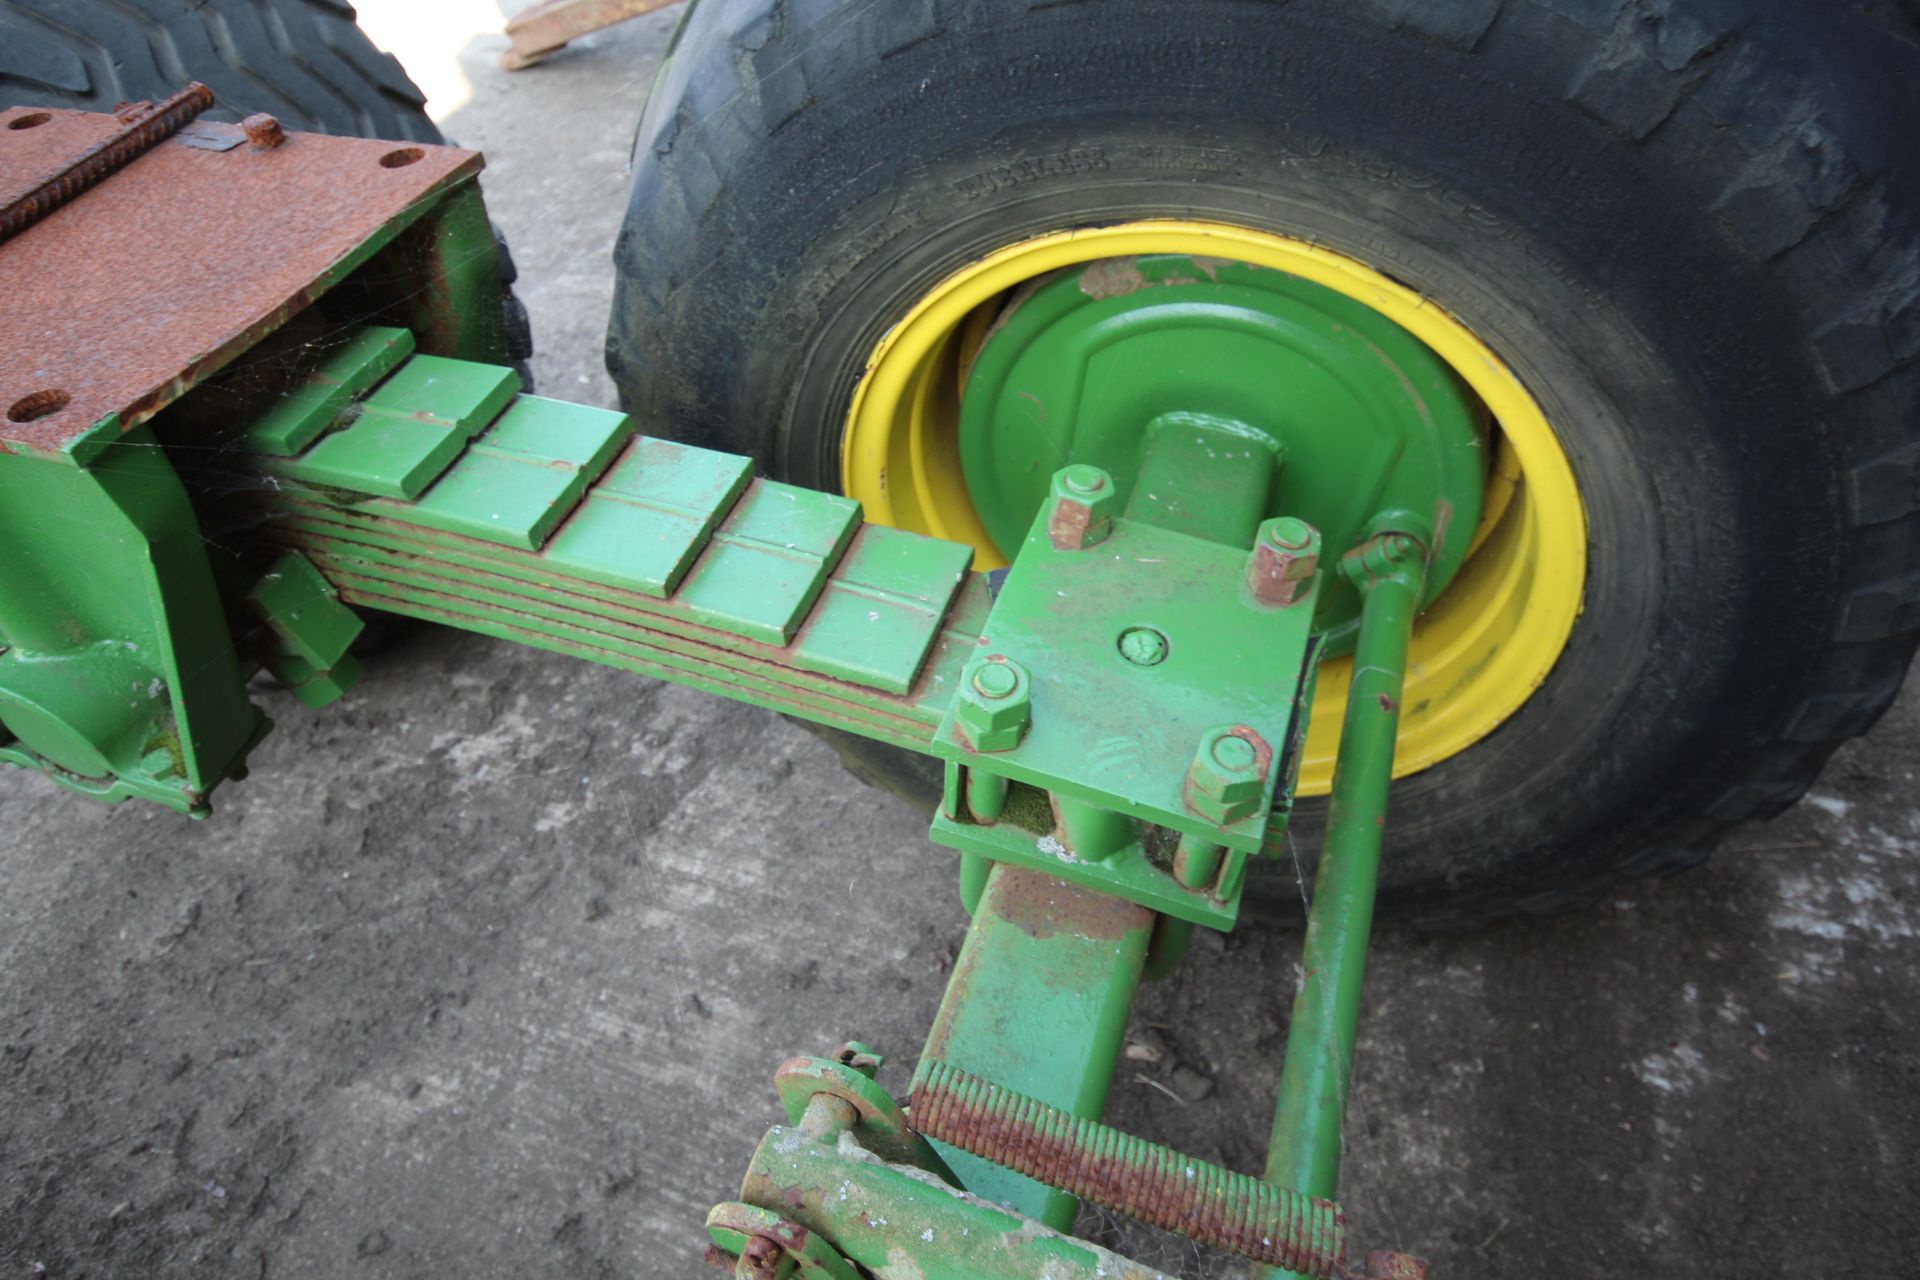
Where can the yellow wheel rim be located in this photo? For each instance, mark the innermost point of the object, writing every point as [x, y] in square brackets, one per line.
[1479, 651]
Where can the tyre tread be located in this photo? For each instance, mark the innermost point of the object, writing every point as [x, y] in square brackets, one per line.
[306, 61]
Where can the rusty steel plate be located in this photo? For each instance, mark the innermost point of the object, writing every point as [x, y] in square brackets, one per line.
[118, 302]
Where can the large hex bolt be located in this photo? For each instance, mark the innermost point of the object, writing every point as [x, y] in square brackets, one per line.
[1081, 507]
[1228, 775]
[1285, 558]
[993, 710]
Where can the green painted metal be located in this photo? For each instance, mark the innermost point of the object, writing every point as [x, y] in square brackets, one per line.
[866, 1110]
[118, 675]
[642, 527]
[304, 611]
[1168, 949]
[768, 561]
[523, 474]
[789, 569]
[1204, 477]
[1027, 833]
[769, 1246]
[308, 407]
[895, 1220]
[1318, 1067]
[1122, 736]
[407, 432]
[308, 635]
[553, 525]
[455, 298]
[517, 597]
[880, 607]
[1097, 364]
[1038, 1000]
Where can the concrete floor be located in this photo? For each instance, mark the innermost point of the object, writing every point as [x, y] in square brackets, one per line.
[485, 971]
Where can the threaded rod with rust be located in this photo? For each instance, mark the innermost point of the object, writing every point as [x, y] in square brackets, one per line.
[1129, 1175]
[141, 129]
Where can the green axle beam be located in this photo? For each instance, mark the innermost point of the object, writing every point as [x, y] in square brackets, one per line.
[1038, 1001]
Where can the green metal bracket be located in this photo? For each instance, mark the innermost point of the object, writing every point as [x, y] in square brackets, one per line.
[1108, 732]
[118, 676]
[1141, 645]
[308, 635]
[895, 1220]
[872, 1115]
[769, 1246]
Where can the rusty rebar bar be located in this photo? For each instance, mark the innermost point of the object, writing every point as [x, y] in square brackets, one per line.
[139, 132]
[1129, 1175]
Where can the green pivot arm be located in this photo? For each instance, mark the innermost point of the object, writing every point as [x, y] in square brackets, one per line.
[1304, 1153]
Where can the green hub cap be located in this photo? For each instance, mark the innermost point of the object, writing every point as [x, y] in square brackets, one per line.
[1359, 416]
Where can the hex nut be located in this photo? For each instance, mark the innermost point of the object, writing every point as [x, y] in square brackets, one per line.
[1285, 557]
[1081, 507]
[1228, 775]
[993, 711]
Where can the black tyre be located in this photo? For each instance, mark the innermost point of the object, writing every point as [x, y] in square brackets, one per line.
[305, 62]
[1689, 227]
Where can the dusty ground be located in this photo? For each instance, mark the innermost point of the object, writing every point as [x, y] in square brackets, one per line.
[485, 971]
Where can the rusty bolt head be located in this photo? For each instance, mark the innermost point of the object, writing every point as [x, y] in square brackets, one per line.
[1384, 1264]
[1082, 506]
[1228, 775]
[992, 710]
[760, 1258]
[1284, 560]
[263, 130]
